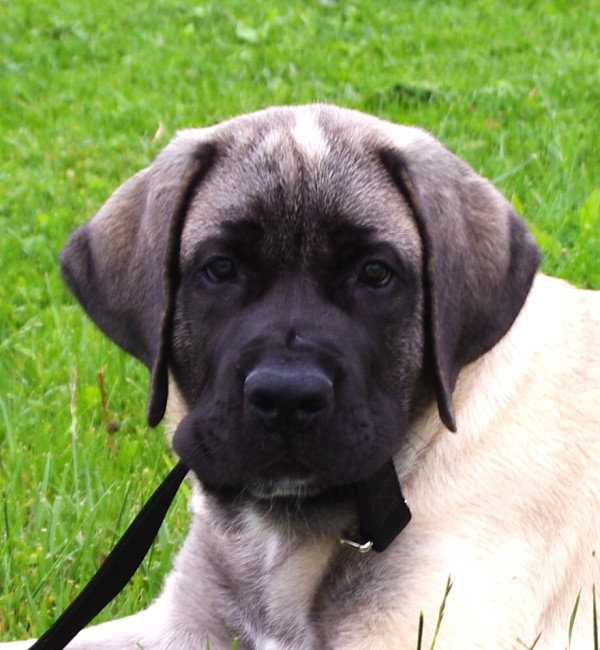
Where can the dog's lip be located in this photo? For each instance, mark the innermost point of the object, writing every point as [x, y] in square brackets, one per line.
[284, 479]
[285, 488]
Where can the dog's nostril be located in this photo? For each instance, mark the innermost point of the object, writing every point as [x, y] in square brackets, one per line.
[262, 402]
[288, 395]
[313, 403]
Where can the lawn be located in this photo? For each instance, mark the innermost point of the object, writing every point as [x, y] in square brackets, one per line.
[90, 92]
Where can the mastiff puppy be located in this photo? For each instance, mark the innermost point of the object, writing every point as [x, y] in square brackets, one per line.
[318, 293]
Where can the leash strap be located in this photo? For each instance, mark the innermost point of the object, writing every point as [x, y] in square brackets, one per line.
[117, 569]
[382, 510]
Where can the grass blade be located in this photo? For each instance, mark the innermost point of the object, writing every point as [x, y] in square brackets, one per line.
[420, 633]
[441, 613]
[595, 617]
[573, 617]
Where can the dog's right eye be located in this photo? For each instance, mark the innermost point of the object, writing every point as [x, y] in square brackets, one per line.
[375, 274]
[220, 269]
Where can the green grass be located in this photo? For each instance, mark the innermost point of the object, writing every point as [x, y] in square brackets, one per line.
[512, 86]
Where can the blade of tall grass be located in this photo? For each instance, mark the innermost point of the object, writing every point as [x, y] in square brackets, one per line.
[441, 613]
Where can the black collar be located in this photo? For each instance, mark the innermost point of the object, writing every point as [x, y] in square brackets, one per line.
[382, 510]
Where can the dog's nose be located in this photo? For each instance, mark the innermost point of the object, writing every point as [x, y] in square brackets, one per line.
[288, 395]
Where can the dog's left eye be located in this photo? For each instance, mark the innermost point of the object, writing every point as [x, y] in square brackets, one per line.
[220, 269]
[375, 274]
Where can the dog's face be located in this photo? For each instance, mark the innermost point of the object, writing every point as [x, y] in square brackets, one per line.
[309, 277]
[293, 310]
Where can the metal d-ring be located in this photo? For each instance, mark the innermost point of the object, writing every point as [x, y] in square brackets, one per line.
[357, 546]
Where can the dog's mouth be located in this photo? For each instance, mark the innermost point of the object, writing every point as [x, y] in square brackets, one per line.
[281, 488]
[285, 479]
[285, 488]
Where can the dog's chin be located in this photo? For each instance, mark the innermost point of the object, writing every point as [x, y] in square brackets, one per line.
[298, 501]
[301, 507]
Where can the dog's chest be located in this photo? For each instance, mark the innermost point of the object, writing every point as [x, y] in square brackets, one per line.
[302, 595]
[276, 587]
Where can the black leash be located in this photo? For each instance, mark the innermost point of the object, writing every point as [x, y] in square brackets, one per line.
[382, 511]
[117, 569]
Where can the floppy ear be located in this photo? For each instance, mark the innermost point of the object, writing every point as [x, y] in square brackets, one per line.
[479, 259]
[123, 264]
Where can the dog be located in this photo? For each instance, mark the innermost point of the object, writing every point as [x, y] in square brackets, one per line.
[316, 293]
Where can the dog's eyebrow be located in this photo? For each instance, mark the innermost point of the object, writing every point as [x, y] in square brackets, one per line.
[348, 241]
[242, 238]
[247, 231]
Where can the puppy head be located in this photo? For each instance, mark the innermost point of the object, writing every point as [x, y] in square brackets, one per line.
[303, 274]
